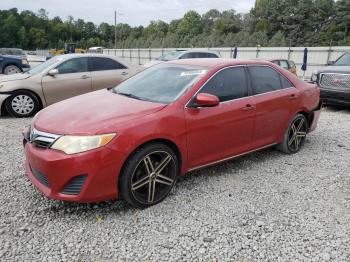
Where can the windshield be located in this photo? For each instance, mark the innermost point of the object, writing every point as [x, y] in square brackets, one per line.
[343, 60]
[40, 68]
[162, 83]
[170, 56]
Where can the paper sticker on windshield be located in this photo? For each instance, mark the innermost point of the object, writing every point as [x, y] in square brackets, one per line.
[193, 73]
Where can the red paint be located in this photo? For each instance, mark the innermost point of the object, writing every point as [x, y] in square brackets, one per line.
[202, 135]
[207, 100]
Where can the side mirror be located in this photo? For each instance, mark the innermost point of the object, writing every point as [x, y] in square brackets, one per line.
[53, 72]
[330, 62]
[206, 100]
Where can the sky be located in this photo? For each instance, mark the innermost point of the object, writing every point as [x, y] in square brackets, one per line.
[132, 12]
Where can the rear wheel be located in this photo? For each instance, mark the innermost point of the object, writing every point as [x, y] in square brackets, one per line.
[295, 135]
[22, 104]
[149, 175]
[12, 69]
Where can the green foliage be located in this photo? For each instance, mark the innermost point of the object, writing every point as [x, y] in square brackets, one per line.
[269, 23]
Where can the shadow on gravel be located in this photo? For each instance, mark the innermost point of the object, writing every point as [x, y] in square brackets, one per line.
[332, 108]
[92, 209]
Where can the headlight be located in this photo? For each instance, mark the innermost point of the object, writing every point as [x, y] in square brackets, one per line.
[314, 76]
[77, 144]
[24, 62]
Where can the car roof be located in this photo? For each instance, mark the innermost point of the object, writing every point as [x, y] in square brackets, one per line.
[217, 62]
[199, 51]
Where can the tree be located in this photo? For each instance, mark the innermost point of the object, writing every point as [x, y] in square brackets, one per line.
[278, 39]
[190, 25]
[270, 22]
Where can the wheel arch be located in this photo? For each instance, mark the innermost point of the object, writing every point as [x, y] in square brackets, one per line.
[308, 115]
[11, 64]
[164, 141]
[41, 105]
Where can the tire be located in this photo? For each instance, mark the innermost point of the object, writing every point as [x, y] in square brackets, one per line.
[295, 135]
[12, 69]
[22, 104]
[140, 184]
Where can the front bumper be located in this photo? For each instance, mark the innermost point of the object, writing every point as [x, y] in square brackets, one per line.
[52, 171]
[335, 97]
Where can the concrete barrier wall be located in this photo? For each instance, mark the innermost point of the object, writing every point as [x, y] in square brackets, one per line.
[317, 56]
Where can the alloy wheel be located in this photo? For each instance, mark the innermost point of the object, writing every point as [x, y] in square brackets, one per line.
[297, 134]
[22, 104]
[153, 177]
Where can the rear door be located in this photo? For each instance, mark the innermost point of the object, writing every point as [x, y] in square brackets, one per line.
[214, 133]
[73, 79]
[107, 72]
[276, 101]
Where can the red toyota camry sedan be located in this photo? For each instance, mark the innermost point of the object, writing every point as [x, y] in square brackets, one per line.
[133, 141]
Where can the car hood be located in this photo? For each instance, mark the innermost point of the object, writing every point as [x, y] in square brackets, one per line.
[93, 113]
[335, 69]
[14, 77]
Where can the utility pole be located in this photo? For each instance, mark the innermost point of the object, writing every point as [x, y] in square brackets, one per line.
[115, 29]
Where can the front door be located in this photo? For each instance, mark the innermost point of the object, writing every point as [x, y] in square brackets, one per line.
[73, 79]
[214, 133]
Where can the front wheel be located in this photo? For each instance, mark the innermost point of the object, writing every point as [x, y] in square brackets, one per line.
[22, 104]
[149, 175]
[295, 135]
[12, 69]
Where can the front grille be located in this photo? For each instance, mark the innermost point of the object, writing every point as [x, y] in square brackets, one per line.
[74, 186]
[40, 177]
[335, 81]
[42, 139]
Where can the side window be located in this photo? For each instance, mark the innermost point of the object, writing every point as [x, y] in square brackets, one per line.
[276, 62]
[75, 65]
[187, 56]
[200, 55]
[228, 84]
[291, 63]
[284, 64]
[264, 79]
[210, 55]
[285, 82]
[101, 64]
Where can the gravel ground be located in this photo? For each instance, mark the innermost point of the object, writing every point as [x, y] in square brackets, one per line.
[264, 206]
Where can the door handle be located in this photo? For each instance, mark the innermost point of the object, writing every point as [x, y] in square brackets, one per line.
[125, 73]
[293, 97]
[85, 77]
[248, 107]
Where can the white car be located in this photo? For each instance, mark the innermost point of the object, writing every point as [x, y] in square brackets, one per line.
[183, 54]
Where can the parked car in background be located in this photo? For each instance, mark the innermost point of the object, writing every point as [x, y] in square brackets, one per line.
[59, 78]
[95, 49]
[134, 140]
[334, 81]
[183, 54]
[286, 64]
[13, 61]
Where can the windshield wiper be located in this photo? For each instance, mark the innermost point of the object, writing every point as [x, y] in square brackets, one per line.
[130, 95]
